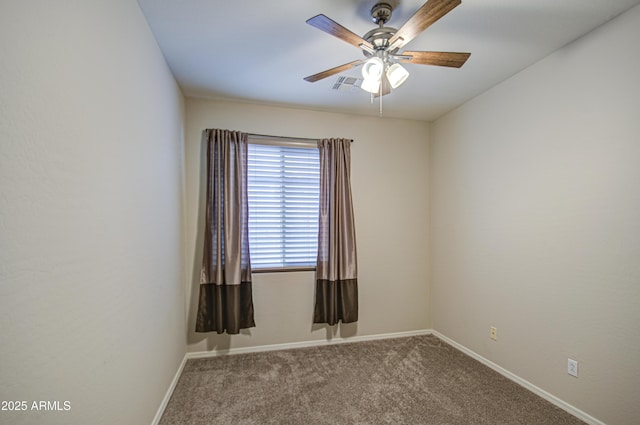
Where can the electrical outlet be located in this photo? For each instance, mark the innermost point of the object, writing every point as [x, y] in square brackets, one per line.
[493, 333]
[572, 367]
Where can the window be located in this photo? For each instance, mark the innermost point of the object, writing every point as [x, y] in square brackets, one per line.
[283, 190]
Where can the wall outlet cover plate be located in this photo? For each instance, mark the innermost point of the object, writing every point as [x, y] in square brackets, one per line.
[572, 367]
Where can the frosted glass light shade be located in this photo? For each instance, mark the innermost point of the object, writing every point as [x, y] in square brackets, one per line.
[373, 69]
[371, 85]
[397, 75]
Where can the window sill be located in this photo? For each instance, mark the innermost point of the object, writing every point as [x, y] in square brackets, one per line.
[284, 270]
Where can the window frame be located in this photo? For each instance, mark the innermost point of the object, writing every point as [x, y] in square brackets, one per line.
[289, 142]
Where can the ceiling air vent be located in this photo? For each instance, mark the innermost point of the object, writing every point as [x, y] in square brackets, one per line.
[346, 83]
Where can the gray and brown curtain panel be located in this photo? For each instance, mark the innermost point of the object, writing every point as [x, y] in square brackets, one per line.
[336, 269]
[225, 303]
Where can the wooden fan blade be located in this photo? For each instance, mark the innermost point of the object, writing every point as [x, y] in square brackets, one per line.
[429, 13]
[329, 72]
[333, 28]
[385, 87]
[451, 59]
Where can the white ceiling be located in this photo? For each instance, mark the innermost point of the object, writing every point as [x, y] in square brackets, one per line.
[259, 51]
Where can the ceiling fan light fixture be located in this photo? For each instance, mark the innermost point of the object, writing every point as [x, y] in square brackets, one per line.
[373, 69]
[397, 75]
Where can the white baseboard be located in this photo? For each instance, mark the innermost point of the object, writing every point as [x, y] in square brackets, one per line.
[304, 344]
[167, 396]
[522, 382]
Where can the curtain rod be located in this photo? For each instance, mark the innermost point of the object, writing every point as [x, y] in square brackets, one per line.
[299, 139]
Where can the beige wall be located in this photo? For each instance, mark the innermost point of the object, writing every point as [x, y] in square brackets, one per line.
[91, 240]
[535, 222]
[390, 192]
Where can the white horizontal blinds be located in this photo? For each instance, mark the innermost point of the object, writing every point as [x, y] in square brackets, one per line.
[283, 187]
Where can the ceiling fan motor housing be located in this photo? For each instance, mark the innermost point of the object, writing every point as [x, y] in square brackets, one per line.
[379, 38]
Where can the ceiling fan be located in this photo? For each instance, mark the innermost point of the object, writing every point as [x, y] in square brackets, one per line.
[381, 46]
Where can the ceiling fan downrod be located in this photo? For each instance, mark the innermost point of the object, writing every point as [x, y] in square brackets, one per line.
[379, 37]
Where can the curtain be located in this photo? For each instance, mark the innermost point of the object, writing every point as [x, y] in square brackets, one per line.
[225, 303]
[336, 269]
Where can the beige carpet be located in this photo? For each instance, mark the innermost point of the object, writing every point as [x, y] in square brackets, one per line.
[415, 380]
